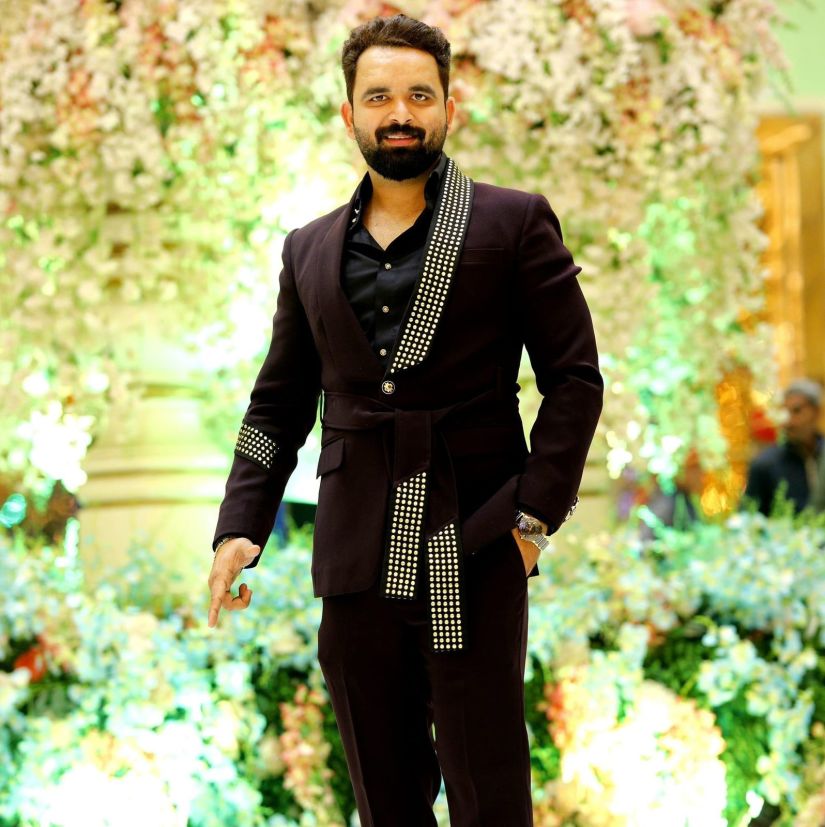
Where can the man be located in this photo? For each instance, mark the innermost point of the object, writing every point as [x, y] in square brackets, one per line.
[679, 508]
[791, 464]
[409, 307]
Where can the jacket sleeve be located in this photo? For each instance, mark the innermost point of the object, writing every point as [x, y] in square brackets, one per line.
[281, 412]
[560, 341]
[760, 487]
[561, 344]
[819, 491]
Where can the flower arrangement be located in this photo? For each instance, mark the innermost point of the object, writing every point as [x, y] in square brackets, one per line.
[157, 152]
[674, 681]
[811, 792]
[304, 751]
[650, 761]
[727, 617]
[103, 703]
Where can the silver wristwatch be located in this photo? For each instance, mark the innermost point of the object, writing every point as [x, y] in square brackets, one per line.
[529, 528]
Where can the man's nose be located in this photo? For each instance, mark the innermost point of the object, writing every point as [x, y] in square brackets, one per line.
[400, 113]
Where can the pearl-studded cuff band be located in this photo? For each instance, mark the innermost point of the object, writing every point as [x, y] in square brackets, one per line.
[255, 445]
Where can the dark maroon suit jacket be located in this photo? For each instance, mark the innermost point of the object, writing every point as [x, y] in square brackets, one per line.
[515, 284]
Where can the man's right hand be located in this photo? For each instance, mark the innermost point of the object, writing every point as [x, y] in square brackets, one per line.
[230, 559]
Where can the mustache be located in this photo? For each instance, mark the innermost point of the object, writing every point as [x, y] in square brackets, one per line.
[405, 129]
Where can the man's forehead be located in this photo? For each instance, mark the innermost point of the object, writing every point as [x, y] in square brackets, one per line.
[797, 400]
[394, 66]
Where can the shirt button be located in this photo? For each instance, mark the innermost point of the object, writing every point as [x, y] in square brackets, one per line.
[388, 266]
[385, 309]
[383, 351]
[388, 387]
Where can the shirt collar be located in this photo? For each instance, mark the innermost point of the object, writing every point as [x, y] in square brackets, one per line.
[364, 192]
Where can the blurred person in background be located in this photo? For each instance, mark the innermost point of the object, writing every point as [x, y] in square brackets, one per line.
[679, 508]
[791, 464]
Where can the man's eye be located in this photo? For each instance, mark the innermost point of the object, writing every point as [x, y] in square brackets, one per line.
[419, 96]
[377, 97]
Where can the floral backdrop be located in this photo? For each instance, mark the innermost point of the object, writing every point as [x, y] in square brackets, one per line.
[159, 150]
[153, 153]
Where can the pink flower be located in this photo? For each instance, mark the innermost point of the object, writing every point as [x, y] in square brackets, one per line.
[644, 16]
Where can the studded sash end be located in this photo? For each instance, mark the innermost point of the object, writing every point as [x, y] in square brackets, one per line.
[405, 537]
[255, 445]
[445, 571]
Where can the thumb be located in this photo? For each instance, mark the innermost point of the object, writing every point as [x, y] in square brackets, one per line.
[251, 552]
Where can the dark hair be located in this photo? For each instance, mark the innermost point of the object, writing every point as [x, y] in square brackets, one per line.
[400, 32]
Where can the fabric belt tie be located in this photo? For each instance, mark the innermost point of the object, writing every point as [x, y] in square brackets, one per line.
[423, 506]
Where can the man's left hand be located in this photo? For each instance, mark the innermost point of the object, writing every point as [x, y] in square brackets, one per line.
[529, 551]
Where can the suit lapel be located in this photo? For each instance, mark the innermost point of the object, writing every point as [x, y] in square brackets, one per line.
[442, 252]
[443, 248]
[346, 337]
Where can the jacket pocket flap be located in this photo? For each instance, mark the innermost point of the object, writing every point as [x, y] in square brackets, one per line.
[332, 455]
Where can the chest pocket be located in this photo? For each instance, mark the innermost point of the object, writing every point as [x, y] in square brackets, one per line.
[331, 457]
[494, 256]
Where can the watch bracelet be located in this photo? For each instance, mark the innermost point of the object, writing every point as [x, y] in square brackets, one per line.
[540, 541]
[225, 540]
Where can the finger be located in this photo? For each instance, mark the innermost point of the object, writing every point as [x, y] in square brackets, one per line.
[219, 586]
[219, 580]
[239, 601]
[214, 610]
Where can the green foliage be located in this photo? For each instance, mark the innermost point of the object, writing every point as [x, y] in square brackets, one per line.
[274, 686]
[675, 662]
[814, 682]
[747, 739]
[545, 757]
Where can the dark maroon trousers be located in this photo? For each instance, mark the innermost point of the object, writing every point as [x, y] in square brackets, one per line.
[389, 692]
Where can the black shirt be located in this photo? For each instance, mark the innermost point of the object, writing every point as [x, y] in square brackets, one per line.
[379, 283]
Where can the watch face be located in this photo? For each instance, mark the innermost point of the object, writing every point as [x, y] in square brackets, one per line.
[529, 525]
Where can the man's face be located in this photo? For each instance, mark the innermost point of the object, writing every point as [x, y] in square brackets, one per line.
[398, 116]
[801, 417]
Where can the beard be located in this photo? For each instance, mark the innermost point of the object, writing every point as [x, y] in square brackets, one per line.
[400, 163]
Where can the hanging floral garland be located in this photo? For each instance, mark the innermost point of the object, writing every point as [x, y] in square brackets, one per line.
[158, 151]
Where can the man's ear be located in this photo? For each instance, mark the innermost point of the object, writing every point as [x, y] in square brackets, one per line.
[449, 106]
[346, 115]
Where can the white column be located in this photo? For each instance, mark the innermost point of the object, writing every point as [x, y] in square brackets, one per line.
[155, 479]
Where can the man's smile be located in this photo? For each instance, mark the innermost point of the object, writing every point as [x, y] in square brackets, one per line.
[400, 140]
